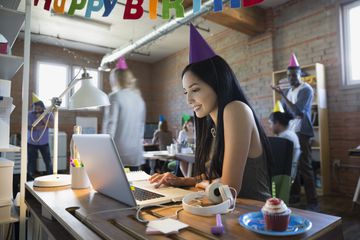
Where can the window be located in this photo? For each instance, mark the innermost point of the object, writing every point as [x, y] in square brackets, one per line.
[52, 80]
[350, 41]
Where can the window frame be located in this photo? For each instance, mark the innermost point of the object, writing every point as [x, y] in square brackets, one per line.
[347, 81]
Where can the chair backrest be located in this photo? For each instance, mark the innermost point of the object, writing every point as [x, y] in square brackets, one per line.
[282, 152]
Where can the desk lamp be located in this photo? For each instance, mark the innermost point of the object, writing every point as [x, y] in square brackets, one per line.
[87, 96]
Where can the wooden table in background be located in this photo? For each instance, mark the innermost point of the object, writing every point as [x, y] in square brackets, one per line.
[71, 211]
[152, 156]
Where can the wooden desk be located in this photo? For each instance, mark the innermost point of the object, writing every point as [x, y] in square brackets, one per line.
[78, 224]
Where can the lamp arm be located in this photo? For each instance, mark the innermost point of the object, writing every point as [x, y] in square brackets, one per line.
[69, 87]
[55, 102]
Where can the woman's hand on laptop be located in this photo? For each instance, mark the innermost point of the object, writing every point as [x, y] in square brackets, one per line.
[168, 179]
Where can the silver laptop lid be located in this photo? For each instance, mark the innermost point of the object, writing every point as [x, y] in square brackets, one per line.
[104, 167]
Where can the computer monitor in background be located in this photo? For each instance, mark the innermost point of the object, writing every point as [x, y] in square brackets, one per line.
[150, 128]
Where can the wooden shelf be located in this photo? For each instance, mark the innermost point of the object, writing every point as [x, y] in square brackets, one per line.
[11, 148]
[11, 22]
[9, 65]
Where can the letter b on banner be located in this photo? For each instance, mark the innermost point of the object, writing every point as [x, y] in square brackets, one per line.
[137, 7]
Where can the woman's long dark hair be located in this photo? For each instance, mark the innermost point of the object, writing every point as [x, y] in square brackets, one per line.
[218, 75]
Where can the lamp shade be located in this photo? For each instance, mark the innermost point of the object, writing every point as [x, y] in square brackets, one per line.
[88, 96]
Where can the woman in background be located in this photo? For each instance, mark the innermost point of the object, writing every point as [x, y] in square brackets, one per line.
[124, 119]
[187, 134]
[162, 136]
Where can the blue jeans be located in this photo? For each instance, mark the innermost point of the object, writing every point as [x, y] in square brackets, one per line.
[33, 155]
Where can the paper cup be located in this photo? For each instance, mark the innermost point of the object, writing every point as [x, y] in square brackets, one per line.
[79, 178]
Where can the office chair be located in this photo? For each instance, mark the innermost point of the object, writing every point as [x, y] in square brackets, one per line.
[282, 152]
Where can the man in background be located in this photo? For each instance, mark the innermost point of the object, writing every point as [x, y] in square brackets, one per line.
[38, 137]
[297, 100]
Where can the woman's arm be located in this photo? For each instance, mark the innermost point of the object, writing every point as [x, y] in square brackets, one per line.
[238, 126]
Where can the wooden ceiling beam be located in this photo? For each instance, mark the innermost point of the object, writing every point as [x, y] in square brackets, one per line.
[250, 21]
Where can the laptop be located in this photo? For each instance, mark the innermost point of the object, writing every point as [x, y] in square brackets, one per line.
[107, 175]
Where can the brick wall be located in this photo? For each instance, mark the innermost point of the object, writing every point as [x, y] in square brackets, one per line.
[308, 28]
[67, 119]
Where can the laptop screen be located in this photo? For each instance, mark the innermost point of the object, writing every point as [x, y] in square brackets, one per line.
[104, 167]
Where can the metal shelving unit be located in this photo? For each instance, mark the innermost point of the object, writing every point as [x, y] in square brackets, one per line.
[11, 22]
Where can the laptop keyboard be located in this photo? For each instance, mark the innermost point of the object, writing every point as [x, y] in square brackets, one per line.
[142, 195]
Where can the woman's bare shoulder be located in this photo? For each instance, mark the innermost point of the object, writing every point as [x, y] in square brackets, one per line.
[237, 109]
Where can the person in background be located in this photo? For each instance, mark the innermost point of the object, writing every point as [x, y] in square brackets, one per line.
[185, 140]
[38, 137]
[297, 101]
[231, 146]
[162, 135]
[187, 134]
[124, 119]
[279, 123]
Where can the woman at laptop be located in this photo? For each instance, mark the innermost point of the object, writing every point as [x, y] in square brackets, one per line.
[231, 145]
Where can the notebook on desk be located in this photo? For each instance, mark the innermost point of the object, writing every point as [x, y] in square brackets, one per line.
[106, 173]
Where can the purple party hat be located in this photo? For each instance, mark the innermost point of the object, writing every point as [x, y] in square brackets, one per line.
[293, 61]
[121, 64]
[199, 49]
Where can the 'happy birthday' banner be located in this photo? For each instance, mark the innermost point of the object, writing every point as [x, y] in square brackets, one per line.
[134, 9]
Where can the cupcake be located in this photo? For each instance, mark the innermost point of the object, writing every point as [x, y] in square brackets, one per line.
[276, 215]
